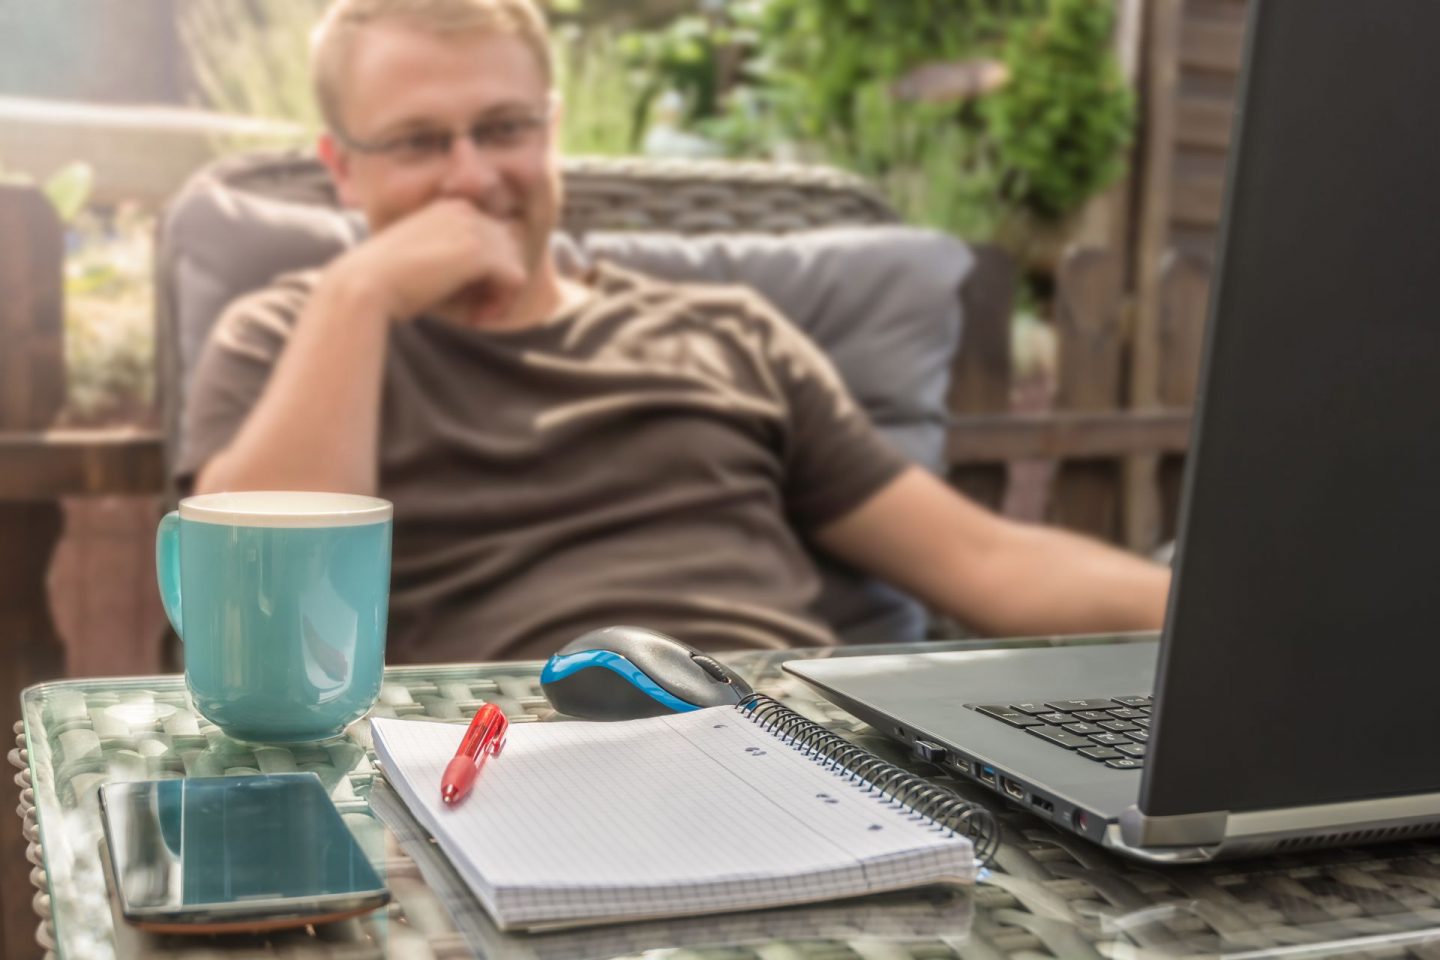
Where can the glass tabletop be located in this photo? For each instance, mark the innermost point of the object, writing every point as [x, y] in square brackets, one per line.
[1048, 894]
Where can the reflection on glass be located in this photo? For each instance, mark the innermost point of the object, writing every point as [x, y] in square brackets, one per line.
[232, 842]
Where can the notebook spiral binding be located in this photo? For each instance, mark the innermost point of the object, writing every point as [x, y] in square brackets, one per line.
[914, 793]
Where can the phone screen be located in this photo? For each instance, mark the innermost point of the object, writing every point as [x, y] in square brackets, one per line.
[251, 852]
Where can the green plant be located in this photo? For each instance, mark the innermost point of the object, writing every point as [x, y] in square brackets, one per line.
[990, 168]
[1061, 123]
[600, 93]
[109, 332]
[253, 58]
[819, 55]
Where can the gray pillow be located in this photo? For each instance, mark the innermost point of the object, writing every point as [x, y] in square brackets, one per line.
[883, 302]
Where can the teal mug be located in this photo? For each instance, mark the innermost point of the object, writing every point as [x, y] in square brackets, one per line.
[281, 600]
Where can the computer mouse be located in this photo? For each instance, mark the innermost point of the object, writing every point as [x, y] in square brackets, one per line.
[623, 673]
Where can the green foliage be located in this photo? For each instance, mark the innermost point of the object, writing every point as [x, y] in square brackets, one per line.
[1030, 153]
[253, 59]
[823, 53]
[1062, 121]
[600, 94]
[109, 334]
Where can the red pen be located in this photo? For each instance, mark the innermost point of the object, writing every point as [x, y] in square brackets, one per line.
[485, 736]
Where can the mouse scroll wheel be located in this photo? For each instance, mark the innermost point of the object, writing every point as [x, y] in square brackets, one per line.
[711, 667]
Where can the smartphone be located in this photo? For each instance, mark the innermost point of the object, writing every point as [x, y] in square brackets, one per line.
[226, 854]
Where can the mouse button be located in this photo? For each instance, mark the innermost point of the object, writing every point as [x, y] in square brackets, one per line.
[712, 667]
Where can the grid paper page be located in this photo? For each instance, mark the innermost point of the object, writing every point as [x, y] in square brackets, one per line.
[697, 812]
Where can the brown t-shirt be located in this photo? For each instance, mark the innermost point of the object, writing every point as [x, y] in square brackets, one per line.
[653, 456]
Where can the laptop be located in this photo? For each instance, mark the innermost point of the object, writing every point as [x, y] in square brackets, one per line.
[1293, 696]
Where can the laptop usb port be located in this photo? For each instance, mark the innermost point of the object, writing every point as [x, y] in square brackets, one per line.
[987, 774]
[1012, 788]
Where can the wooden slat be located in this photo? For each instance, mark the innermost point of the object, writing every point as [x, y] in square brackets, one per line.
[1184, 304]
[980, 374]
[1184, 301]
[32, 361]
[1090, 322]
[1067, 436]
[47, 465]
[1216, 45]
[1204, 123]
[1198, 198]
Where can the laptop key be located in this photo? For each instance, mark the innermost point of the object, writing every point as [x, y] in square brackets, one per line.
[1083, 729]
[1070, 706]
[1125, 713]
[1030, 708]
[1134, 701]
[1118, 726]
[1131, 749]
[1139, 736]
[1125, 763]
[1056, 718]
[1094, 716]
[1110, 739]
[1059, 737]
[1013, 717]
[1100, 753]
[1142, 722]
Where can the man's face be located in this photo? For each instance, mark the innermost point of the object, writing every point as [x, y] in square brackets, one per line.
[404, 87]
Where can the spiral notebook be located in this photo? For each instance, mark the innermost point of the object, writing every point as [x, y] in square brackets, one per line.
[717, 810]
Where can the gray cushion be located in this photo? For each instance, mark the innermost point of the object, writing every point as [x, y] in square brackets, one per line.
[883, 302]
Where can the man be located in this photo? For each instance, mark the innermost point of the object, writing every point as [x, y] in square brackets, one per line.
[564, 454]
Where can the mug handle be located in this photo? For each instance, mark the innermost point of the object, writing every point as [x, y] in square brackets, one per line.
[167, 567]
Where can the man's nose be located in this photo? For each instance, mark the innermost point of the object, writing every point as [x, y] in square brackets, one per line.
[468, 171]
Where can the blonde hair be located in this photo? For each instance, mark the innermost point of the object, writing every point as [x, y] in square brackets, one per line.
[334, 36]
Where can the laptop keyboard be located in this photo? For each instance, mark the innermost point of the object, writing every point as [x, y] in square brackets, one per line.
[1108, 730]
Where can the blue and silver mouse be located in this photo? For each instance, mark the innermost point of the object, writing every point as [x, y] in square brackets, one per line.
[623, 673]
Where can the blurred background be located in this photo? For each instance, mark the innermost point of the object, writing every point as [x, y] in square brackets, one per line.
[1079, 144]
[1034, 126]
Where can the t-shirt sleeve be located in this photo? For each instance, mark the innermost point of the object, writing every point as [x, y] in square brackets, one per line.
[835, 458]
[232, 372]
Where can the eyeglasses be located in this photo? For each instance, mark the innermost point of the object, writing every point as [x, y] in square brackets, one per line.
[497, 133]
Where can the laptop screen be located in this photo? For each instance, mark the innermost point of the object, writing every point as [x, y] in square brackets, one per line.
[1302, 650]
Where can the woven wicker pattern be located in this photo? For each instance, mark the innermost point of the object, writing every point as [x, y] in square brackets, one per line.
[601, 193]
[1051, 895]
[692, 196]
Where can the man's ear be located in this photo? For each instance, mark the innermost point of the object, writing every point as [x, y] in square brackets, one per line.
[337, 160]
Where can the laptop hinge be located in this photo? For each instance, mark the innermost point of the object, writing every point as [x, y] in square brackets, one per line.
[1177, 830]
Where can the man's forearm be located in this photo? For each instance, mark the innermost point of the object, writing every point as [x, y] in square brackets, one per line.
[1051, 581]
[316, 424]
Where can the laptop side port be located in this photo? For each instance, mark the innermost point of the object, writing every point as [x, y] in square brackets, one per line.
[1012, 789]
[1040, 803]
[987, 774]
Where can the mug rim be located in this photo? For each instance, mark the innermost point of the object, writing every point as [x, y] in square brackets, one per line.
[286, 508]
